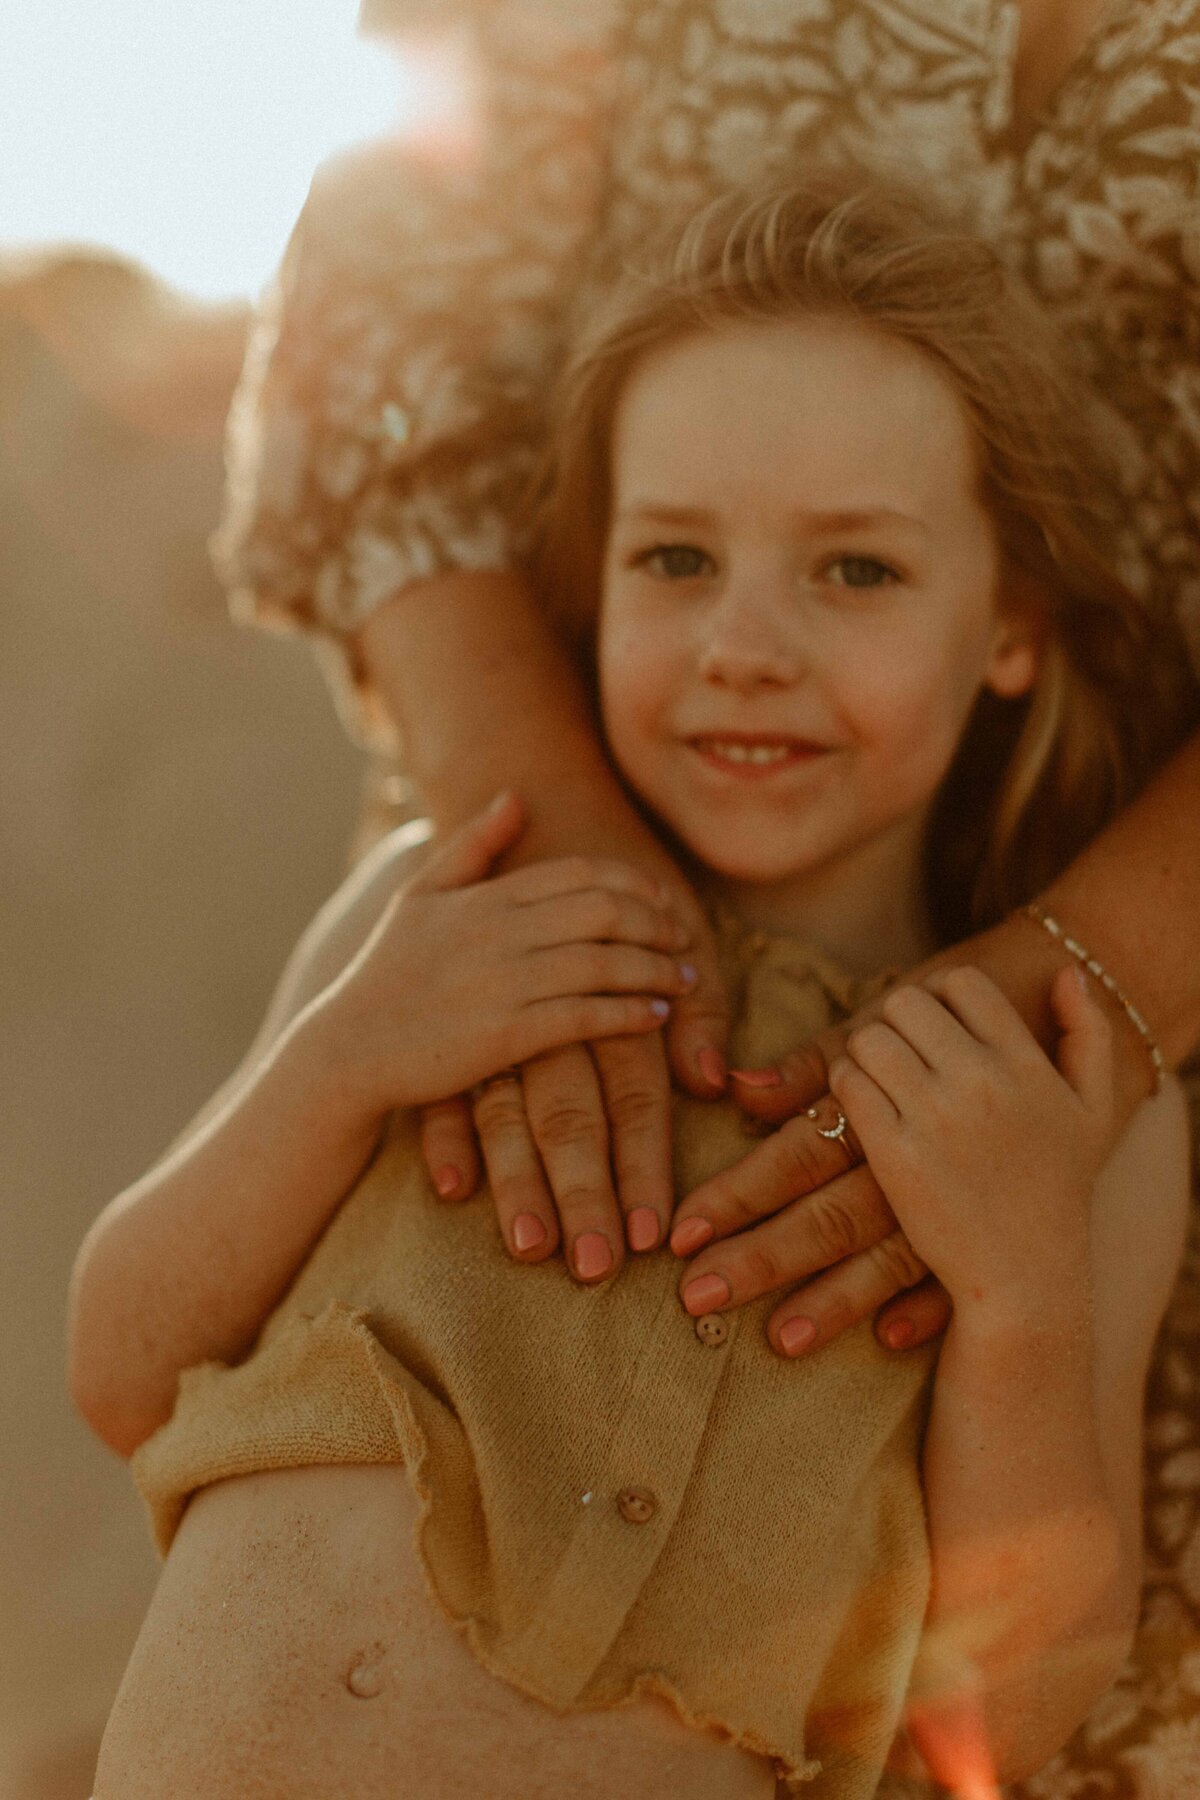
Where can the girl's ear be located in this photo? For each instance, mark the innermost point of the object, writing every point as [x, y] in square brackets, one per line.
[1019, 639]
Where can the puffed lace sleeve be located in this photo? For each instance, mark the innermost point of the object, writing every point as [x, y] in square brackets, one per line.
[390, 406]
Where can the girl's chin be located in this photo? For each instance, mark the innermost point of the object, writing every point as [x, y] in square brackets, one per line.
[745, 871]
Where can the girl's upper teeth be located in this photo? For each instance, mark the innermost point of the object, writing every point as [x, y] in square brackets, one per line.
[747, 753]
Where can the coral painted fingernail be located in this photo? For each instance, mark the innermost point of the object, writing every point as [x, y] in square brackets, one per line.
[706, 1294]
[690, 1235]
[711, 1064]
[796, 1335]
[642, 1228]
[527, 1230]
[757, 1078]
[900, 1334]
[446, 1179]
[592, 1255]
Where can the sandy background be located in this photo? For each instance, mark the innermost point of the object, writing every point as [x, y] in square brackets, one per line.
[176, 800]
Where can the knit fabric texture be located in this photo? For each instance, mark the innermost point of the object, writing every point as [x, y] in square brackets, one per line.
[776, 1591]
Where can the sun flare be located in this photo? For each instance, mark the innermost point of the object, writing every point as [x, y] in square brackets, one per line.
[186, 137]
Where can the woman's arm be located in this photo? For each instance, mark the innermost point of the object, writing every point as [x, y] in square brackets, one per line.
[393, 395]
[1133, 897]
[389, 412]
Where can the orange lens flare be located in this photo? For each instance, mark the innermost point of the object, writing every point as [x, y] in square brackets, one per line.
[952, 1739]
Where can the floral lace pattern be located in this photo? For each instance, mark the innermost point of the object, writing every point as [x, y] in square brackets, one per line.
[392, 400]
[393, 391]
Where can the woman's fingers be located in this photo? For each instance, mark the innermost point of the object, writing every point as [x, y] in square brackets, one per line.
[792, 1162]
[565, 1112]
[637, 1099]
[843, 1296]
[845, 1216]
[528, 1220]
[450, 1149]
[552, 1137]
[787, 1087]
[915, 1317]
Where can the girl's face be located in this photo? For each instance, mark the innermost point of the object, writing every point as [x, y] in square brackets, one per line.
[799, 600]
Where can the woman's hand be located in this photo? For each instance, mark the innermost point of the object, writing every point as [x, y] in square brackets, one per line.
[803, 1208]
[464, 976]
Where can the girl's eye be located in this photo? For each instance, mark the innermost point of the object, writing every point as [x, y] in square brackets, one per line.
[675, 562]
[862, 572]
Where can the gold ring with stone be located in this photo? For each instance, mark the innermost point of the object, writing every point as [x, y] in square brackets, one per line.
[837, 1131]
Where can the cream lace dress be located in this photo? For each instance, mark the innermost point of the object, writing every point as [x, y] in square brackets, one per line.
[393, 393]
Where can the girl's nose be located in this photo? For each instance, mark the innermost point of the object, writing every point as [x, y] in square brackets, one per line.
[749, 643]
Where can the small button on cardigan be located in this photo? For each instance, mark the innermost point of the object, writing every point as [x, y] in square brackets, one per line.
[670, 1505]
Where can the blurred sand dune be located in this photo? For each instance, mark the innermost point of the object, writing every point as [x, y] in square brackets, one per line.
[177, 799]
[158, 361]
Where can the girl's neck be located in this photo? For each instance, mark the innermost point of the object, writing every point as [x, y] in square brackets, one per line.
[866, 910]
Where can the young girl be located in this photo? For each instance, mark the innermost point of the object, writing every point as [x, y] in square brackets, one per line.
[824, 494]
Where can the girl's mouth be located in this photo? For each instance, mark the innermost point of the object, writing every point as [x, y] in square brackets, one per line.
[754, 757]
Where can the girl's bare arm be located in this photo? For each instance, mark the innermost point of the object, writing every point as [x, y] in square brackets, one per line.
[1032, 1470]
[185, 1264]
[411, 984]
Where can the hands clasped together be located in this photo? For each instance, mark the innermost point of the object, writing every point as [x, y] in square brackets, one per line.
[570, 968]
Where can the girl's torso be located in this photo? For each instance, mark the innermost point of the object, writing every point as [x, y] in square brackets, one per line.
[292, 1652]
[527, 1411]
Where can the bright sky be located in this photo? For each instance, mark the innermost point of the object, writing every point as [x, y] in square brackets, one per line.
[183, 132]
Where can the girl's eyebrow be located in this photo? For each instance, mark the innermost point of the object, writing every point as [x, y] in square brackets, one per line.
[816, 521]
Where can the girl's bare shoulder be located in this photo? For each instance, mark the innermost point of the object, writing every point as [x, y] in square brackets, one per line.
[351, 913]
[332, 939]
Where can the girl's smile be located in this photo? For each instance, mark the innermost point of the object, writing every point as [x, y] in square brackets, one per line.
[754, 757]
[799, 610]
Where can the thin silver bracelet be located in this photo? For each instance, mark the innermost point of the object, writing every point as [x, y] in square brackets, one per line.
[1106, 981]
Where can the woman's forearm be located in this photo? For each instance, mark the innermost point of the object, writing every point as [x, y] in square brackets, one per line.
[186, 1264]
[1133, 898]
[486, 696]
[1028, 1580]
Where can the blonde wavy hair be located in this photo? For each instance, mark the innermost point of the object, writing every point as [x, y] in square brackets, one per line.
[1033, 779]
